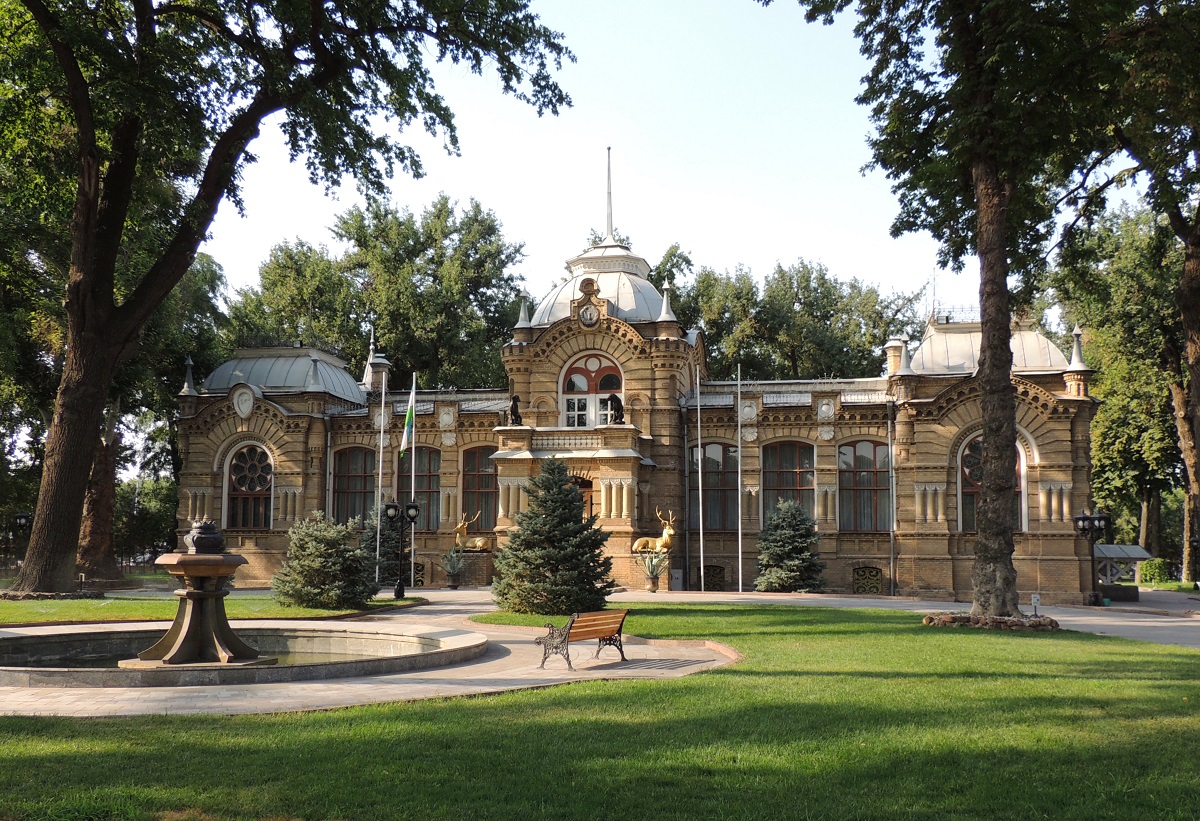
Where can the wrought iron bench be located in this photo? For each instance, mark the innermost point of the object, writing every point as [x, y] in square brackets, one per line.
[604, 625]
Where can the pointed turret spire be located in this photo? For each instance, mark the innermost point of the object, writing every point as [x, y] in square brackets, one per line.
[905, 368]
[189, 385]
[523, 319]
[666, 314]
[1077, 363]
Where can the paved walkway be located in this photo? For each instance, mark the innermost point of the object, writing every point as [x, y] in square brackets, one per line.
[511, 661]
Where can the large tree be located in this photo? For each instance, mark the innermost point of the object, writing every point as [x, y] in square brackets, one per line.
[436, 291]
[144, 89]
[1118, 275]
[1156, 108]
[983, 110]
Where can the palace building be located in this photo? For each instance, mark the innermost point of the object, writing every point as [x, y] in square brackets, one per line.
[603, 376]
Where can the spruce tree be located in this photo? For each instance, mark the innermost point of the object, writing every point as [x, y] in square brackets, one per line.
[325, 568]
[787, 559]
[554, 563]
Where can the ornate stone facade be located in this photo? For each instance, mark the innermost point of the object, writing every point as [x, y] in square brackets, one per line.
[887, 466]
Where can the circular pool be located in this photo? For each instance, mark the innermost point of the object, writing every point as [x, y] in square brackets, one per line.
[74, 656]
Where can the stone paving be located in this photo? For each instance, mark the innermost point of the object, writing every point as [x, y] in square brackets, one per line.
[511, 661]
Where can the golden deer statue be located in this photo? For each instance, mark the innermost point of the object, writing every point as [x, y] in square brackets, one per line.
[470, 543]
[662, 544]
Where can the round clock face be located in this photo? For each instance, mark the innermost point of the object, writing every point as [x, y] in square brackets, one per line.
[589, 315]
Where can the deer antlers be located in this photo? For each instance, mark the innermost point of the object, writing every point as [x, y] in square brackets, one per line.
[664, 522]
[472, 521]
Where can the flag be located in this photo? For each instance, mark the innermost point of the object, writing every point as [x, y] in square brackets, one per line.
[409, 418]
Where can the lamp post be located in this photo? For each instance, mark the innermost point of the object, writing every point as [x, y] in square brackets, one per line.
[391, 512]
[1093, 526]
[411, 512]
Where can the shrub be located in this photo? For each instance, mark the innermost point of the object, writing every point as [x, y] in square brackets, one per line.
[787, 562]
[391, 563]
[554, 563]
[1155, 571]
[325, 568]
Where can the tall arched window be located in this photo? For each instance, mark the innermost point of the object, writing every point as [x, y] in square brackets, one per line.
[353, 483]
[720, 488]
[251, 485]
[429, 485]
[864, 487]
[788, 475]
[970, 479]
[586, 385]
[480, 490]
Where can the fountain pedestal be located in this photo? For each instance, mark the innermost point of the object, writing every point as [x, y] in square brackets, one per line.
[200, 633]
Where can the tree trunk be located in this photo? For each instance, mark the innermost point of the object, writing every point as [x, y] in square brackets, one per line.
[70, 444]
[993, 577]
[97, 559]
[1189, 306]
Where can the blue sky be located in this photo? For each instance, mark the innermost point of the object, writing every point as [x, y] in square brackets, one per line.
[734, 132]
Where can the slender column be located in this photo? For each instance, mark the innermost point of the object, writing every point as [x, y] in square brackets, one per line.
[502, 502]
[1065, 515]
[918, 503]
[1056, 503]
[627, 501]
[1043, 502]
[941, 503]
[604, 490]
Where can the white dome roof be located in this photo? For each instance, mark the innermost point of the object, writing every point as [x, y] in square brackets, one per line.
[953, 348]
[285, 370]
[621, 279]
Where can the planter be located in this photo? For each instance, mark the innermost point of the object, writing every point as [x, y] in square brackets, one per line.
[652, 584]
[452, 580]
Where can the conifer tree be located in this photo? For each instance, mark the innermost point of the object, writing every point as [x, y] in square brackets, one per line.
[325, 568]
[554, 563]
[787, 559]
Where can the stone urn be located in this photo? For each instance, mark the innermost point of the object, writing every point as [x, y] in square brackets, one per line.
[204, 538]
[652, 584]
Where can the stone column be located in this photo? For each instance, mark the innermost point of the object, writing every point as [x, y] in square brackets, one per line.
[627, 498]
[920, 512]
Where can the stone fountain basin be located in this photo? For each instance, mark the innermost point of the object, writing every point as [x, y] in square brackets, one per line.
[378, 649]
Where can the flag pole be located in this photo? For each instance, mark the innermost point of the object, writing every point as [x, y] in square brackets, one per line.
[379, 483]
[738, 406]
[700, 476]
[410, 418]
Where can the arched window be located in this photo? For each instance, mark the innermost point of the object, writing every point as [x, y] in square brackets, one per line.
[788, 475]
[720, 488]
[586, 385]
[353, 483]
[480, 490]
[251, 485]
[864, 487]
[429, 485]
[970, 481]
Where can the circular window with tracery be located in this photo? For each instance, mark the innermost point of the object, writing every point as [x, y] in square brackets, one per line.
[251, 470]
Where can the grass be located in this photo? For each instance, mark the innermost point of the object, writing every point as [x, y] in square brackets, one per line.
[1175, 587]
[833, 714]
[151, 609]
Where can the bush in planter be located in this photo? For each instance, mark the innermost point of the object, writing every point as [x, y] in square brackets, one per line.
[326, 568]
[454, 563]
[787, 559]
[554, 563]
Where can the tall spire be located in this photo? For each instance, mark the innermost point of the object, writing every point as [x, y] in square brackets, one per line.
[609, 236]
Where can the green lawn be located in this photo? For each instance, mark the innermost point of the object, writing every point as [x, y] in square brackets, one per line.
[145, 609]
[833, 714]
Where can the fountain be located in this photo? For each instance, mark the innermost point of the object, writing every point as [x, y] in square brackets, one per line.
[200, 647]
[200, 633]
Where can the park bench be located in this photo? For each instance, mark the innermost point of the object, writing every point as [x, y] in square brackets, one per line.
[603, 625]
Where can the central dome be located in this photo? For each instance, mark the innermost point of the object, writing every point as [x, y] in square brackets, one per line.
[621, 278]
